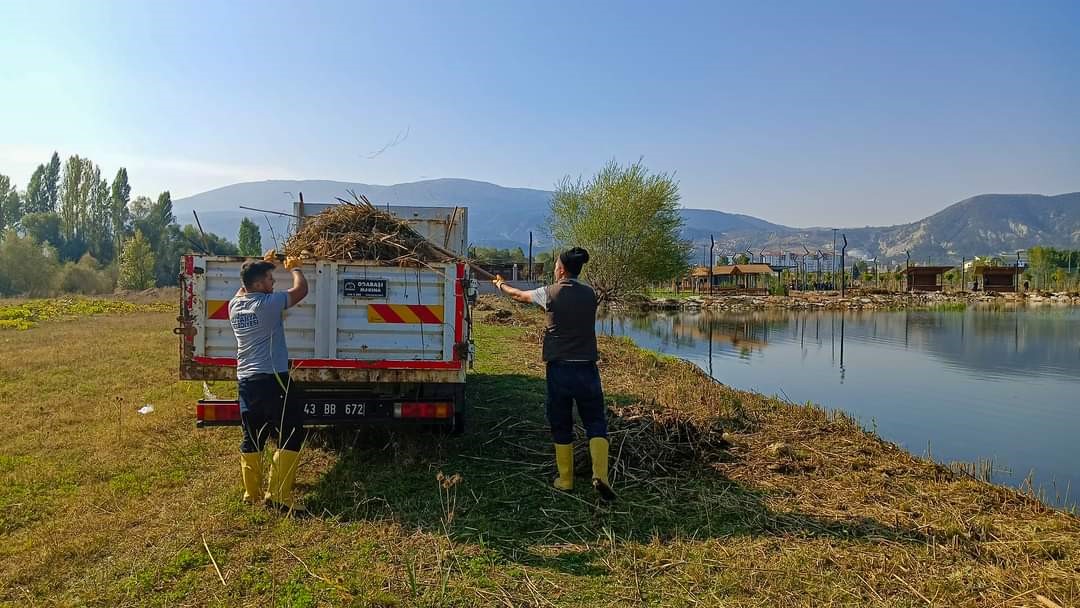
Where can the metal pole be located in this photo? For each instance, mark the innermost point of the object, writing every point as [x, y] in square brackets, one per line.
[712, 261]
[531, 277]
[843, 281]
[832, 260]
[300, 214]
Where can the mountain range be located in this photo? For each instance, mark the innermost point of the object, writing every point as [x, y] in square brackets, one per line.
[988, 224]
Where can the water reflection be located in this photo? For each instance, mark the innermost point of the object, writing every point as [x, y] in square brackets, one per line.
[974, 384]
[986, 343]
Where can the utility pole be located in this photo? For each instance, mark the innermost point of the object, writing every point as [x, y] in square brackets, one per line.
[843, 264]
[712, 261]
[832, 259]
[806, 269]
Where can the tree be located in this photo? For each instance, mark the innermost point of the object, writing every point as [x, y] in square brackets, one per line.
[99, 222]
[159, 217]
[11, 210]
[137, 264]
[35, 199]
[629, 221]
[26, 266]
[250, 240]
[165, 237]
[43, 227]
[139, 209]
[51, 185]
[119, 216]
[84, 210]
[1059, 278]
[72, 202]
[194, 239]
[85, 277]
[167, 254]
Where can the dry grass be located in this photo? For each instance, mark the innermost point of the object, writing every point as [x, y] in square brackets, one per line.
[794, 506]
[358, 230]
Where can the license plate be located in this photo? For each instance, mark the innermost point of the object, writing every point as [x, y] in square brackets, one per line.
[344, 409]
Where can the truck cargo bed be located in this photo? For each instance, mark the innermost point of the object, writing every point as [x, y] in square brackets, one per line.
[361, 322]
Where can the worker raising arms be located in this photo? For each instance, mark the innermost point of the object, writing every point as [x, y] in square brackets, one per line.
[570, 353]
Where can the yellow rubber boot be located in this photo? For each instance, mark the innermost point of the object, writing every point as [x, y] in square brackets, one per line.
[564, 460]
[251, 473]
[282, 477]
[598, 450]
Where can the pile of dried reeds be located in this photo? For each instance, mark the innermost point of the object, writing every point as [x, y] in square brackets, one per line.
[358, 230]
[649, 442]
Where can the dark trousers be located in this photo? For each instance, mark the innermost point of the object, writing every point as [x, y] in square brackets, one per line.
[263, 414]
[568, 383]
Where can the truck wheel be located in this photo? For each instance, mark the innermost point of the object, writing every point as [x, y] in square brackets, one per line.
[458, 427]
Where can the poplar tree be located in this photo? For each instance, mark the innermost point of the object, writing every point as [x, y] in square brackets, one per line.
[249, 238]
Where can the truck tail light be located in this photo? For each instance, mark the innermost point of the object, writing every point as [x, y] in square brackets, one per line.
[217, 411]
[423, 409]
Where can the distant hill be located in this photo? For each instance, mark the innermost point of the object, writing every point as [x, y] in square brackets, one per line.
[498, 216]
[988, 224]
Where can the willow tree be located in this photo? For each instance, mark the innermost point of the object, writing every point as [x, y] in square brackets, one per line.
[628, 218]
[137, 263]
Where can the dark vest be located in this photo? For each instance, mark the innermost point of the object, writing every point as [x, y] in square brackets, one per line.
[570, 334]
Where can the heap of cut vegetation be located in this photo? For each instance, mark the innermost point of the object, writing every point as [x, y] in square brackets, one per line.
[358, 230]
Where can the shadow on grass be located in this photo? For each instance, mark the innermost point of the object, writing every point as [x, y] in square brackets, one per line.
[505, 501]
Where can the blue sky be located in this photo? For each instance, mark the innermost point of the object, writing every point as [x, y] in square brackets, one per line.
[804, 113]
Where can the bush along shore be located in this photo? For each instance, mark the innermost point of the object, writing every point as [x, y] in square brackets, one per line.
[726, 498]
[854, 299]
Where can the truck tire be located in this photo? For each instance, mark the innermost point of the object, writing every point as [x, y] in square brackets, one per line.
[457, 428]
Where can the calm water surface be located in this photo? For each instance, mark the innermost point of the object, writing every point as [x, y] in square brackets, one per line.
[968, 385]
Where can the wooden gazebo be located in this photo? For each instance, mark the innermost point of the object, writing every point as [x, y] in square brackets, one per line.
[997, 278]
[924, 278]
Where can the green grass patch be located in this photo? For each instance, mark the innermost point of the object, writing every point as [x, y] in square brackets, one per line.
[29, 314]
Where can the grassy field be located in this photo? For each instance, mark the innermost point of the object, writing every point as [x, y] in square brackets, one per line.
[726, 498]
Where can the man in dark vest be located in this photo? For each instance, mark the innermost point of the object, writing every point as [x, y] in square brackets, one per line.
[572, 376]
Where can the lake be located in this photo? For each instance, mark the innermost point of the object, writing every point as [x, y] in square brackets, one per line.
[965, 385]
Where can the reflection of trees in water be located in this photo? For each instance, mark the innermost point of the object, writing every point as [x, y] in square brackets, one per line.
[663, 327]
[1003, 342]
[688, 329]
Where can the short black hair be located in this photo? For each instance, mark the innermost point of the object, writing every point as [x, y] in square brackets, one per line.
[253, 271]
[573, 259]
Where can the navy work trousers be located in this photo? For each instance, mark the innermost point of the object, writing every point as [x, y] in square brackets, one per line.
[569, 383]
[263, 414]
